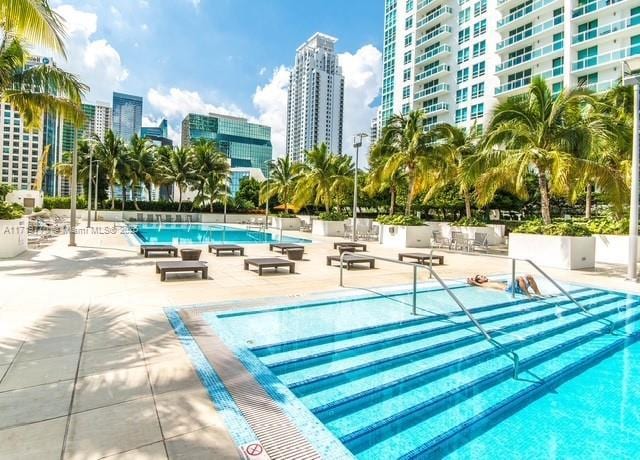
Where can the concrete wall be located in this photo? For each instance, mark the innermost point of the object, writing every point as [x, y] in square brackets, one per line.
[613, 249]
[13, 237]
[401, 236]
[568, 252]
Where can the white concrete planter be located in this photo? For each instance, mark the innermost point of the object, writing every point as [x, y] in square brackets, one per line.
[286, 223]
[613, 249]
[327, 227]
[402, 236]
[13, 237]
[568, 252]
[495, 233]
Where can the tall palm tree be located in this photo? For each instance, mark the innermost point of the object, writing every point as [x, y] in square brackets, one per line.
[531, 134]
[33, 21]
[113, 157]
[411, 144]
[282, 182]
[178, 170]
[447, 164]
[141, 165]
[322, 178]
[210, 172]
[379, 179]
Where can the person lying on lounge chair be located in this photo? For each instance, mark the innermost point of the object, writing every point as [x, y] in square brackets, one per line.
[522, 284]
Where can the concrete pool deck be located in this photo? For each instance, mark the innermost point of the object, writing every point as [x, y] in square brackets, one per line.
[91, 368]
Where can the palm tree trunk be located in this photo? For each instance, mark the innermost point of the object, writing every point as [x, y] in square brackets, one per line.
[124, 196]
[392, 206]
[179, 198]
[407, 209]
[135, 201]
[467, 203]
[545, 206]
[149, 185]
[587, 206]
[113, 195]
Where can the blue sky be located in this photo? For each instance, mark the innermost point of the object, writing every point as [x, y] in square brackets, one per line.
[219, 55]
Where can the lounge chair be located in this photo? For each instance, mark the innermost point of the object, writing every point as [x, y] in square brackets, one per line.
[479, 242]
[440, 241]
[150, 218]
[460, 241]
[159, 216]
[189, 219]
[178, 219]
[168, 218]
[139, 217]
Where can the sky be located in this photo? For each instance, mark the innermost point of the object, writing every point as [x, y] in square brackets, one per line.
[225, 56]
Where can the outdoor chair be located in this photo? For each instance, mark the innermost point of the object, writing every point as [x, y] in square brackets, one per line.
[168, 218]
[139, 217]
[348, 231]
[440, 241]
[178, 218]
[479, 242]
[374, 232]
[150, 218]
[159, 216]
[189, 219]
[459, 241]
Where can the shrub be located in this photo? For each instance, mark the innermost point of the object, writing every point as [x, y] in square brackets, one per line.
[63, 202]
[332, 215]
[10, 211]
[465, 222]
[609, 226]
[562, 228]
[399, 219]
[285, 215]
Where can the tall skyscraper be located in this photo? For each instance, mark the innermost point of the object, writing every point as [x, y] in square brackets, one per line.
[98, 119]
[158, 135]
[455, 60]
[127, 115]
[316, 98]
[248, 145]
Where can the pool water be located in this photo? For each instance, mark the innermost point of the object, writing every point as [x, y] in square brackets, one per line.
[390, 385]
[205, 234]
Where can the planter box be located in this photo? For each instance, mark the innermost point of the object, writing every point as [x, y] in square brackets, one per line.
[495, 233]
[613, 249]
[327, 227]
[568, 252]
[401, 236]
[286, 223]
[13, 237]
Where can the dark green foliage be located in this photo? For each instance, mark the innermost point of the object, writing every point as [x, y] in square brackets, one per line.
[399, 219]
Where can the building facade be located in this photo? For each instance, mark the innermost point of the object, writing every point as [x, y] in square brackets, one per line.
[238, 174]
[158, 135]
[456, 59]
[127, 115]
[248, 145]
[315, 101]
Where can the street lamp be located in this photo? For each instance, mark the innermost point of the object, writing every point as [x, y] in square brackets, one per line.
[95, 215]
[357, 143]
[633, 66]
[74, 188]
[89, 194]
[266, 201]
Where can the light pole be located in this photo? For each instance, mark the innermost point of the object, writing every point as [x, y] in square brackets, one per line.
[74, 189]
[266, 201]
[95, 215]
[357, 143]
[632, 267]
[89, 194]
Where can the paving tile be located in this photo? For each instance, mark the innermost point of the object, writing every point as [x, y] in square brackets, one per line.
[151, 452]
[36, 441]
[172, 375]
[182, 412]
[3, 369]
[111, 387]
[205, 444]
[35, 404]
[162, 348]
[113, 429]
[109, 321]
[60, 322]
[96, 361]
[8, 350]
[50, 347]
[110, 338]
[24, 374]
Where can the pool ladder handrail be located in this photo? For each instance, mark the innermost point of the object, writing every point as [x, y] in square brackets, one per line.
[509, 353]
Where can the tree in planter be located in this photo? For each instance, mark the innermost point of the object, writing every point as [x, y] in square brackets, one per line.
[249, 192]
[5, 189]
[112, 154]
[282, 182]
[530, 134]
[379, 178]
[411, 144]
[141, 165]
[210, 173]
[178, 170]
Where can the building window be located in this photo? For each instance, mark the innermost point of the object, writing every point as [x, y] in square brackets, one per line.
[461, 95]
[477, 111]
[408, 23]
[406, 92]
[405, 109]
[464, 35]
[635, 45]
[461, 115]
[479, 28]
[409, 5]
[407, 57]
[590, 79]
[462, 75]
[406, 75]
[479, 48]
[589, 56]
[479, 8]
[463, 55]
[478, 69]
[477, 90]
[556, 87]
[408, 39]
[464, 15]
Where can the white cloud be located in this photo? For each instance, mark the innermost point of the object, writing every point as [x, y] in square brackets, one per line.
[362, 81]
[177, 103]
[96, 62]
[271, 102]
[262, 71]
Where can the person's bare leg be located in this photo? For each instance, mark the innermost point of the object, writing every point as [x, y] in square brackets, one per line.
[523, 285]
[533, 284]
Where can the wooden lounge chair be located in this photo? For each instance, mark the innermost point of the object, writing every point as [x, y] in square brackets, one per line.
[221, 248]
[350, 244]
[351, 260]
[148, 248]
[269, 262]
[182, 266]
[421, 257]
[283, 247]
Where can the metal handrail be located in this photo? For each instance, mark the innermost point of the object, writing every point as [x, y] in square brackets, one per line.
[509, 353]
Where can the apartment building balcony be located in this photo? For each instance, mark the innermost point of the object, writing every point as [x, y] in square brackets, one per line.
[550, 75]
[522, 14]
[602, 86]
[550, 50]
[427, 3]
[592, 62]
[434, 109]
[608, 30]
[592, 8]
[506, 3]
[432, 91]
[441, 50]
[433, 72]
[531, 33]
[439, 13]
[440, 32]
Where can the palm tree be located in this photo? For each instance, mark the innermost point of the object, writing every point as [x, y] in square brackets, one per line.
[211, 171]
[33, 21]
[531, 134]
[377, 180]
[447, 164]
[113, 157]
[282, 182]
[411, 145]
[178, 170]
[322, 178]
[141, 165]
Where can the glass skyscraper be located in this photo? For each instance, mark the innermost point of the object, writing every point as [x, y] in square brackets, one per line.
[248, 145]
[127, 115]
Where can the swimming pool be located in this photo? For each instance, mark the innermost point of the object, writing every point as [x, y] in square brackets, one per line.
[391, 385]
[205, 234]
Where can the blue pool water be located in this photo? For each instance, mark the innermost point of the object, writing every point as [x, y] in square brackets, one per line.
[390, 385]
[205, 234]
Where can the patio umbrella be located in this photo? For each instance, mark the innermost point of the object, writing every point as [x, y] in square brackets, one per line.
[289, 206]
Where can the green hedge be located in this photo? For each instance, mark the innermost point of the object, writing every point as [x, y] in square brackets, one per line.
[332, 216]
[399, 219]
[465, 222]
[63, 202]
[10, 211]
[562, 228]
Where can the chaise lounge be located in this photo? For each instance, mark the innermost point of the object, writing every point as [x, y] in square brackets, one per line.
[269, 262]
[350, 260]
[148, 248]
[228, 248]
[182, 266]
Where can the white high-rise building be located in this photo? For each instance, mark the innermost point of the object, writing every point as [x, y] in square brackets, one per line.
[316, 98]
[375, 130]
[456, 59]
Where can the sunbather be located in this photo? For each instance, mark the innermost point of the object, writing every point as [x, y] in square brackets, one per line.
[521, 286]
